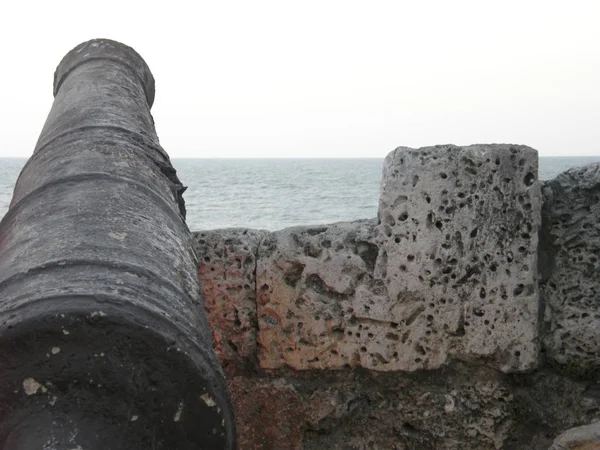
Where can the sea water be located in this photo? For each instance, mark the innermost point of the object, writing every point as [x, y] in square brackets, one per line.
[272, 194]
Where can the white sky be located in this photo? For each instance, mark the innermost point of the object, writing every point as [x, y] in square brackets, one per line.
[325, 78]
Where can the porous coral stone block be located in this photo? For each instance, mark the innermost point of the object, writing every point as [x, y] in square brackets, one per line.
[448, 271]
[308, 279]
[458, 240]
[570, 264]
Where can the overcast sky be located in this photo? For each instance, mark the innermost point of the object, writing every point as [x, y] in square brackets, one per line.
[325, 78]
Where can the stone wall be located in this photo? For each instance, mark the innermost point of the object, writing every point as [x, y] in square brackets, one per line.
[429, 327]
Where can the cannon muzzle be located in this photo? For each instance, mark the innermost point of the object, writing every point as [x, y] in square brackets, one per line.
[103, 339]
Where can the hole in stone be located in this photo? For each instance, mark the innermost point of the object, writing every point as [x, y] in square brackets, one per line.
[392, 336]
[443, 176]
[232, 345]
[473, 232]
[519, 289]
[529, 179]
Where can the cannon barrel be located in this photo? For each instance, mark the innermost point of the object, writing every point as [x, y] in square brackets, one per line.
[103, 339]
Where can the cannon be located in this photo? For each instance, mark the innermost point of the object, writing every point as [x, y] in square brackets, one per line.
[104, 342]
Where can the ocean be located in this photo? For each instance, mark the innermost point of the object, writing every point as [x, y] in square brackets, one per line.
[272, 194]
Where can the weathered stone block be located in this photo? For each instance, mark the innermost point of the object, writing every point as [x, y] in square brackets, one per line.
[458, 240]
[309, 281]
[227, 278]
[570, 265]
[450, 270]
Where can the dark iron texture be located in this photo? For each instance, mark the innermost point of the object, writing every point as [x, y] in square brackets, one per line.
[103, 339]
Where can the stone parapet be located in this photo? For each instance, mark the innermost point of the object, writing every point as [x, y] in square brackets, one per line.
[418, 329]
[570, 268]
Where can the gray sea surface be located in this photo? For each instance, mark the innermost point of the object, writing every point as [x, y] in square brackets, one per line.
[276, 193]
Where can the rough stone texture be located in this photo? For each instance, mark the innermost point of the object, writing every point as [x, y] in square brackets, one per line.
[449, 270]
[458, 239]
[310, 281]
[324, 302]
[569, 263]
[455, 408]
[586, 437]
[227, 277]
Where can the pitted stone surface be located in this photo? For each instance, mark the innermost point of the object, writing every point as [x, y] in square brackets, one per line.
[459, 407]
[450, 270]
[310, 280]
[227, 278]
[569, 262]
[458, 237]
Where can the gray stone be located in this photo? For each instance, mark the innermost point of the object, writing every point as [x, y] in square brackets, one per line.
[310, 282]
[586, 437]
[328, 298]
[569, 262]
[450, 270]
[458, 241]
